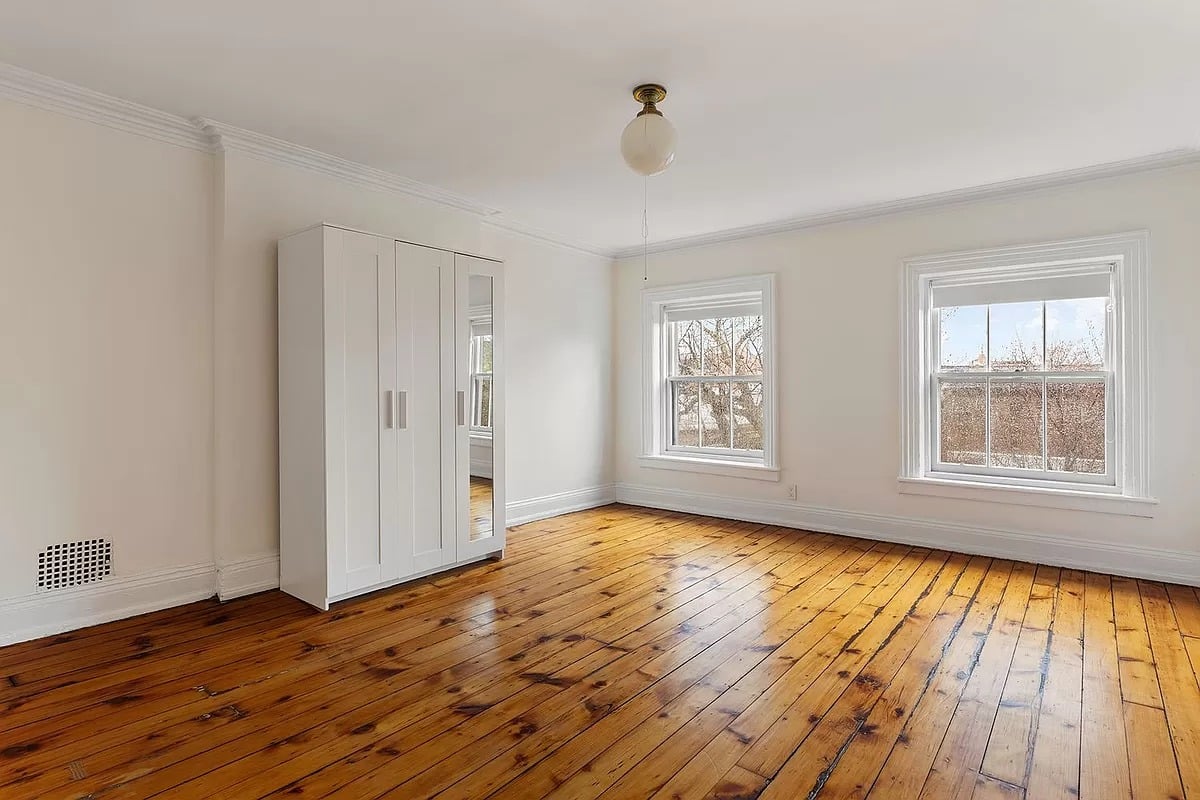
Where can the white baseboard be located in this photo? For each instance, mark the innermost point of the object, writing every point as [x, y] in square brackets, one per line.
[45, 613]
[247, 576]
[552, 505]
[1060, 551]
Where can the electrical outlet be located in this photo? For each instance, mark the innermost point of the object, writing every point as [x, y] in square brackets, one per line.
[792, 492]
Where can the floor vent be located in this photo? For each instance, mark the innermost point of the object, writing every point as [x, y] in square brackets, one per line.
[74, 564]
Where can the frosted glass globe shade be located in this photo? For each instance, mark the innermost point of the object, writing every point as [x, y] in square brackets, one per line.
[648, 144]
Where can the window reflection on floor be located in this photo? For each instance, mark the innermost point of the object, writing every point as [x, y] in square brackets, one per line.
[481, 508]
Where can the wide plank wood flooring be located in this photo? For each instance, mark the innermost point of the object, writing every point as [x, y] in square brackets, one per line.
[627, 653]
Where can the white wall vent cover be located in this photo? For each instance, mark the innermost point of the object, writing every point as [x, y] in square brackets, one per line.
[74, 564]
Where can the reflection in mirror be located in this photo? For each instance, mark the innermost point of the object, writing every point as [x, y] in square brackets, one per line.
[480, 366]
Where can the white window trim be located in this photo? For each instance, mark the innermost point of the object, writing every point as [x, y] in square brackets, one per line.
[655, 452]
[1130, 403]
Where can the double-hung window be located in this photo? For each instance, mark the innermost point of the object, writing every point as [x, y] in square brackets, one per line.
[480, 356]
[1024, 372]
[709, 390]
[1022, 387]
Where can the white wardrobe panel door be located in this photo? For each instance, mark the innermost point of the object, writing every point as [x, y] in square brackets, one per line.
[363, 409]
[425, 283]
[397, 484]
[449, 462]
[462, 385]
[395, 360]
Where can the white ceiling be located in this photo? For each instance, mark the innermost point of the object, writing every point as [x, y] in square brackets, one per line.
[784, 107]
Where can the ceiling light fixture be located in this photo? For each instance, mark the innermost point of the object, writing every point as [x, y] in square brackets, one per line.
[648, 143]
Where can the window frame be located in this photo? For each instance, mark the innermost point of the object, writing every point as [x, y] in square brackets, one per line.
[475, 356]
[658, 450]
[1125, 488]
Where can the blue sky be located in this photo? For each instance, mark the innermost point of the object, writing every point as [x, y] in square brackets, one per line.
[964, 329]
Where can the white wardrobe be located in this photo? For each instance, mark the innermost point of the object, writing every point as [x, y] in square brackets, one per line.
[391, 409]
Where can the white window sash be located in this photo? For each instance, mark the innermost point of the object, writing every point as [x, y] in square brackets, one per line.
[978, 291]
[715, 378]
[1105, 481]
[718, 310]
[477, 381]
[748, 456]
[673, 421]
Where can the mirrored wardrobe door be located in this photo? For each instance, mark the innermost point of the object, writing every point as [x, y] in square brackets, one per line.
[479, 398]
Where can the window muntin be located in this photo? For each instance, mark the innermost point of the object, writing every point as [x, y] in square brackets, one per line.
[1022, 388]
[715, 385]
[480, 356]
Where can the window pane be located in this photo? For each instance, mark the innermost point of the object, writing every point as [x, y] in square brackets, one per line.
[963, 331]
[1016, 336]
[747, 415]
[486, 406]
[1016, 424]
[748, 346]
[481, 401]
[687, 348]
[718, 346]
[1075, 426]
[485, 353]
[686, 414]
[1075, 333]
[714, 415]
[961, 423]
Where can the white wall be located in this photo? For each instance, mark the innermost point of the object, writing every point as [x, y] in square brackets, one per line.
[106, 315]
[558, 311]
[138, 340]
[838, 311]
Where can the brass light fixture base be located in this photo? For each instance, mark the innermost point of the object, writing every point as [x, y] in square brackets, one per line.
[648, 94]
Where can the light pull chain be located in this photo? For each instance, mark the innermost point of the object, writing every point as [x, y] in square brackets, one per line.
[645, 227]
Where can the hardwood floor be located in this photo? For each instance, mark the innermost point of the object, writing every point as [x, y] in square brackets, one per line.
[625, 653]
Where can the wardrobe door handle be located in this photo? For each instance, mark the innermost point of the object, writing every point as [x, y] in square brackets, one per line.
[402, 409]
[389, 412]
[462, 408]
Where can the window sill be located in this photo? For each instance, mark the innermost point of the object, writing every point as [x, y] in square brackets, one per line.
[728, 469]
[1070, 499]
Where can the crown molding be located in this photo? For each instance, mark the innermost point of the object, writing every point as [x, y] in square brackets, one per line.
[229, 138]
[500, 223]
[210, 136]
[991, 191]
[206, 135]
[50, 94]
